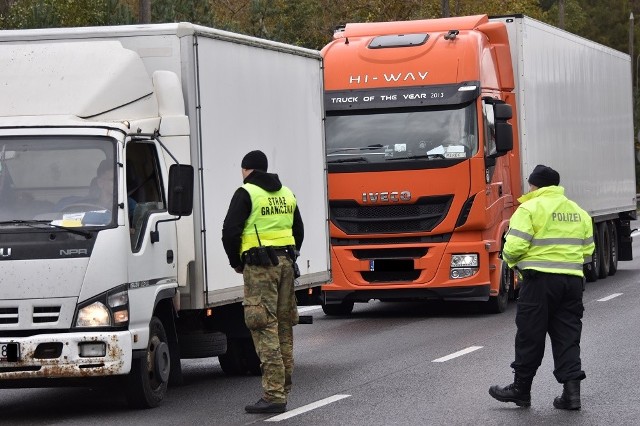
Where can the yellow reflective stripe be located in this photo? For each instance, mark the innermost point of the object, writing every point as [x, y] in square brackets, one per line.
[552, 265]
[523, 235]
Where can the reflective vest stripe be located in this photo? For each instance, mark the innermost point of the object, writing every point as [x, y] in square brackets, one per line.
[554, 265]
[523, 235]
[558, 241]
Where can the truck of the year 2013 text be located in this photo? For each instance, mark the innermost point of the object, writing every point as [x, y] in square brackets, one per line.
[120, 150]
[432, 129]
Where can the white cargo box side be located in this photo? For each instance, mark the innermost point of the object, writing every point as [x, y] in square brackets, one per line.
[257, 95]
[575, 114]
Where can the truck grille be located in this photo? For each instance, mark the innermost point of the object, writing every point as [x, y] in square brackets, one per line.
[41, 315]
[423, 215]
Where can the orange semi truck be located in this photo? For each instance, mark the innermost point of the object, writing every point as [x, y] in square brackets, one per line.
[432, 128]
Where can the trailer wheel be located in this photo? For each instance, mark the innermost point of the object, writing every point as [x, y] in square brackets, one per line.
[613, 260]
[339, 309]
[592, 268]
[604, 249]
[147, 381]
[498, 304]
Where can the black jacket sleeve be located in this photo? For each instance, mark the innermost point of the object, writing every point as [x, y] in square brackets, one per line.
[237, 215]
[298, 228]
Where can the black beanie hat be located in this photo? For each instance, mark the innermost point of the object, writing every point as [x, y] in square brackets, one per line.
[255, 160]
[542, 176]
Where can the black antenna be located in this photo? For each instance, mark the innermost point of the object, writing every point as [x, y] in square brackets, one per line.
[256, 228]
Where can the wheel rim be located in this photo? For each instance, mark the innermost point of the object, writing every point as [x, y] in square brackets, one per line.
[157, 361]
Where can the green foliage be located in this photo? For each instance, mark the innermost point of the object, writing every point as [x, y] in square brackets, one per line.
[64, 13]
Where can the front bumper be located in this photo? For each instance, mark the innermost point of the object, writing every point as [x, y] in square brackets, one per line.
[57, 356]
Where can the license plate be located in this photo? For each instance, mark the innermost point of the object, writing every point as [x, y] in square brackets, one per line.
[9, 352]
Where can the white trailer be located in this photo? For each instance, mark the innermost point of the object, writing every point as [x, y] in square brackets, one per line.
[575, 114]
[125, 290]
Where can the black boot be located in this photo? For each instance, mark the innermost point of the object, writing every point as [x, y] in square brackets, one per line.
[519, 392]
[264, 406]
[570, 398]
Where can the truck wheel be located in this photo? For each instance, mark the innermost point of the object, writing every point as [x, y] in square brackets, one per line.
[604, 249]
[202, 345]
[498, 304]
[232, 362]
[339, 309]
[591, 269]
[613, 260]
[147, 381]
[251, 357]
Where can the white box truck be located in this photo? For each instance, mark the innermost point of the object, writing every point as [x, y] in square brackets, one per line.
[112, 266]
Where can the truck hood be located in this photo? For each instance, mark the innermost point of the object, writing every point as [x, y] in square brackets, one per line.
[42, 278]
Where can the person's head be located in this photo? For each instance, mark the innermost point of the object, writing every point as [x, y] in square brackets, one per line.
[254, 160]
[104, 179]
[542, 176]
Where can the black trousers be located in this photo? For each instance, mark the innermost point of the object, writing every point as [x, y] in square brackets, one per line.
[549, 303]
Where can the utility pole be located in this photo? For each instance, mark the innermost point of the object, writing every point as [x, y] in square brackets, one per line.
[631, 37]
[145, 12]
[561, 14]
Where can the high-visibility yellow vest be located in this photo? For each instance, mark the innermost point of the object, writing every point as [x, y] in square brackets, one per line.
[549, 233]
[272, 216]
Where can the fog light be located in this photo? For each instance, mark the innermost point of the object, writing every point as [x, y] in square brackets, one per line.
[458, 273]
[92, 349]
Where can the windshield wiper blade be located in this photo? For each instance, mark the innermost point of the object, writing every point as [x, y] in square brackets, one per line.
[348, 160]
[417, 157]
[46, 223]
[357, 148]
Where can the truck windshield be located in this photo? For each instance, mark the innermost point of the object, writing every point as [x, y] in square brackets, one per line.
[64, 181]
[413, 135]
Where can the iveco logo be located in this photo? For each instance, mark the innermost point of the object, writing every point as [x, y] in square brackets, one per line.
[73, 252]
[385, 197]
[5, 252]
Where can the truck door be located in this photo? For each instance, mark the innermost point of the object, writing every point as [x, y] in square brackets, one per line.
[151, 262]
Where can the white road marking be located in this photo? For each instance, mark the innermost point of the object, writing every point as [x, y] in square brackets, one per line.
[604, 299]
[302, 309]
[457, 354]
[305, 408]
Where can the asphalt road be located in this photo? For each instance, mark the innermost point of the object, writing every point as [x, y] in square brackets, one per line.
[391, 364]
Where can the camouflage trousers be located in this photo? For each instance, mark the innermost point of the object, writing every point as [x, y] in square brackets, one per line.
[270, 313]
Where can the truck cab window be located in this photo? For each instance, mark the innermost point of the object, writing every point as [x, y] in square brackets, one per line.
[489, 129]
[144, 188]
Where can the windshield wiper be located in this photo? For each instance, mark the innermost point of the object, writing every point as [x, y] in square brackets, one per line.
[348, 160]
[357, 148]
[33, 223]
[417, 157]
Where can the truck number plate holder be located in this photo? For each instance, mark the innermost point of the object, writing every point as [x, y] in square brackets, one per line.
[9, 352]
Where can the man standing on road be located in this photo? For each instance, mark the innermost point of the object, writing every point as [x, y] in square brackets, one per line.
[262, 234]
[549, 239]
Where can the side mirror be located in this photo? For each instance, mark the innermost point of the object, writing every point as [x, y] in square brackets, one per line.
[504, 137]
[502, 111]
[180, 190]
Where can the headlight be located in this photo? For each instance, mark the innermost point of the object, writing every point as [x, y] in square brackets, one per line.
[108, 309]
[463, 265]
[94, 315]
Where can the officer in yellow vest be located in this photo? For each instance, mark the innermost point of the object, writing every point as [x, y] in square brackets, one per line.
[549, 239]
[261, 235]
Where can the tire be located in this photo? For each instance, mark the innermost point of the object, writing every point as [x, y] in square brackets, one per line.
[591, 269]
[202, 345]
[147, 381]
[339, 309]
[604, 249]
[498, 304]
[613, 260]
[232, 362]
[251, 358]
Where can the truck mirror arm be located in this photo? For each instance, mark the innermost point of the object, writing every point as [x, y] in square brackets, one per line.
[155, 235]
